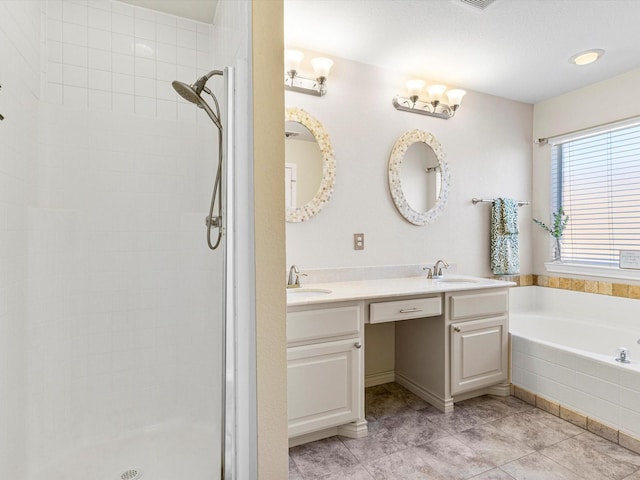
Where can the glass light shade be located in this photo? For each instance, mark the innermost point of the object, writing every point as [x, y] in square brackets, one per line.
[292, 59]
[455, 96]
[321, 66]
[414, 87]
[435, 92]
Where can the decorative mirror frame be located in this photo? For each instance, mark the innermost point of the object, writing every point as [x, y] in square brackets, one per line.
[395, 185]
[323, 195]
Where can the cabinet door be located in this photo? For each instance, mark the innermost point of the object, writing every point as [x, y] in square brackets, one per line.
[479, 355]
[325, 385]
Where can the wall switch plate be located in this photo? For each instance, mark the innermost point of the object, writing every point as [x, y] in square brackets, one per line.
[358, 241]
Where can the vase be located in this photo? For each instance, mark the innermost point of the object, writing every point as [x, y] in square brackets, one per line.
[557, 249]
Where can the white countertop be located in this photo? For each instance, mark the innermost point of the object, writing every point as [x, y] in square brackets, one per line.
[388, 287]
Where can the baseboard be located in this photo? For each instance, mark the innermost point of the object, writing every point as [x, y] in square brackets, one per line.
[381, 378]
[501, 390]
[357, 429]
[313, 436]
[444, 405]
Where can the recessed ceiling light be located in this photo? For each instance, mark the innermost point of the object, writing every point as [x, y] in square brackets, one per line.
[585, 58]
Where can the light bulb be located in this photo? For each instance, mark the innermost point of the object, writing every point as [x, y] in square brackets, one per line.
[435, 93]
[414, 87]
[585, 58]
[321, 66]
[455, 97]
[292, 60]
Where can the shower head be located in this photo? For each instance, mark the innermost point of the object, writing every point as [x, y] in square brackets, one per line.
[191, 93]
[187, 92]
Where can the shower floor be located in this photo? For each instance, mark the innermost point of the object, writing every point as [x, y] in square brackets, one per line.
[160, 453]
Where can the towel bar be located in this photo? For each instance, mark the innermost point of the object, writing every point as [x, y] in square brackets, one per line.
[491, 200]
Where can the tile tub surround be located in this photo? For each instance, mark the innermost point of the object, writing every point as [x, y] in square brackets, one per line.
[499, 438]
[589, 286]
[574, 284]
[563, 345]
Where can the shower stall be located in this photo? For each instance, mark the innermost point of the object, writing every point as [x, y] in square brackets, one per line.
[117, 243]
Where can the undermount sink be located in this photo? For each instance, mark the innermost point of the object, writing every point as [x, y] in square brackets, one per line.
[307, 292]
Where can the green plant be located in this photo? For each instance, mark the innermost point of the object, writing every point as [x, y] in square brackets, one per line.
[560, 221]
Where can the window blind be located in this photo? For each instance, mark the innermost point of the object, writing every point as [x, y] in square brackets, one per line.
[597, 182]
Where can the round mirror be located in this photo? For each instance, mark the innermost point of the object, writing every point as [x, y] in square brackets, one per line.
[309, 165]
[418, 177]
[303, 164]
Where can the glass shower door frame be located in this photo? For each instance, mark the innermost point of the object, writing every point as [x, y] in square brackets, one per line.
[228, 379]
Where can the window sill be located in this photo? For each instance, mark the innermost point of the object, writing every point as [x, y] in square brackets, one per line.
[592, 271]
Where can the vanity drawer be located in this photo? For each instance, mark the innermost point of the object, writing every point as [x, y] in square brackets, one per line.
[313, 324]
[481, 304]
[405, 309]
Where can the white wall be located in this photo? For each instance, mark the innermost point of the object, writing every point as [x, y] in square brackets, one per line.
[604, 102]
[19, 78]
[488, 149]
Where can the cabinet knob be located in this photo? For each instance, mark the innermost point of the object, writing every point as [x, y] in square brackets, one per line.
[357, 345]
[457, 329]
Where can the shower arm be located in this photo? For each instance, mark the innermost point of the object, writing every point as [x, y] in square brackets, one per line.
[199, 84]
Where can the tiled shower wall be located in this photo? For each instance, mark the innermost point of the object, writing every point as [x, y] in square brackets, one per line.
[19, 93]
[113, 56]
[111, 315]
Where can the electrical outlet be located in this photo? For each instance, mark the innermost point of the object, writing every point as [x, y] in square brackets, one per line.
[358, 241]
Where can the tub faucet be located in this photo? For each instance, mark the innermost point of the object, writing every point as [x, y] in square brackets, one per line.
[437, 271]
[294, 277]
[623, 355]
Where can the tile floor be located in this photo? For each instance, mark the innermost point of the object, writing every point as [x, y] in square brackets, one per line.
[485, 438]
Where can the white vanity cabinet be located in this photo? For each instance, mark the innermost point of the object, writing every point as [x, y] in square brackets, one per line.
[325, 371]
[461, 353]
[478, 330]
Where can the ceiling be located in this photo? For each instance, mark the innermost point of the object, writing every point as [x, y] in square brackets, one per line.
[517, 49]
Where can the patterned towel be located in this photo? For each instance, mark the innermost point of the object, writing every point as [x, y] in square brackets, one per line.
[505, 257]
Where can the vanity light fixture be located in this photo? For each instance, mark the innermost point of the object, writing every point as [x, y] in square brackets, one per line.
[434, 106]
[297, 83]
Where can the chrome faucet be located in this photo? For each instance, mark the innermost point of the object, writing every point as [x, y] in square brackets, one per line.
[437, 271]
[623, 355]
[429, 272]
[294, 277]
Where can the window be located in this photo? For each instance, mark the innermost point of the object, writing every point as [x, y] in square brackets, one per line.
[596, 180]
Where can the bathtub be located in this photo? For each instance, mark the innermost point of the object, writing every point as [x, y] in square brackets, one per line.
[563, 348]
[164, 452]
